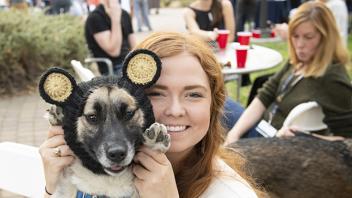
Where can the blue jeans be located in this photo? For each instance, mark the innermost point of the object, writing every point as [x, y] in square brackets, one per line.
[117, 69]
[232, 112]
[141, 11]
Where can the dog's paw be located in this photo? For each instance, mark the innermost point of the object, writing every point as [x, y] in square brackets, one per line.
[156, 137]
[55, 115]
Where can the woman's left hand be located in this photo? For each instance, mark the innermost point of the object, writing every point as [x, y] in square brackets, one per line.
[286, 132]
[154, 174]
[291, 131]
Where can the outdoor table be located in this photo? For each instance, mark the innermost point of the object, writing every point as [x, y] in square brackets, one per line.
[258, 59]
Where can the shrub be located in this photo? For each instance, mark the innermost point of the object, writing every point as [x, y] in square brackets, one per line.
[30, 42]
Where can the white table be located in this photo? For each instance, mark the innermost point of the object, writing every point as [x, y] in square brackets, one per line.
[21, 170]
[258, 59]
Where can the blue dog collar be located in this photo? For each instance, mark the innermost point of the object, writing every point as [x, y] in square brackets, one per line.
[85, 195]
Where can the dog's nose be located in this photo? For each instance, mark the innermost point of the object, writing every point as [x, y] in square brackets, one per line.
[116, 153]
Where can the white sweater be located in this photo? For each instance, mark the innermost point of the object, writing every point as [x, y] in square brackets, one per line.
[228, 184]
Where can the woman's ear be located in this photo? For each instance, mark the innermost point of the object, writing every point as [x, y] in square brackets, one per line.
[142, 68]
[56, 86]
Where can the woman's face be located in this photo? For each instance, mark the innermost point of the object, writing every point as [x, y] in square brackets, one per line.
[181, 100]
[305, 40]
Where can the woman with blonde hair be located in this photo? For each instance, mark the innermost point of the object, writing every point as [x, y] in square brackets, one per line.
[188, 99]
[315, 72]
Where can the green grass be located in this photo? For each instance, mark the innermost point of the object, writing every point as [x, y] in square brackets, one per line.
[282, 48]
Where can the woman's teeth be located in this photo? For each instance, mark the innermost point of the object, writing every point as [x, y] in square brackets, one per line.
[175, 128]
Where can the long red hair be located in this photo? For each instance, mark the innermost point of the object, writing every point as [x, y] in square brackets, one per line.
[197, 170]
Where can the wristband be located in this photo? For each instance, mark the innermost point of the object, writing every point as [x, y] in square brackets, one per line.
[47, 192]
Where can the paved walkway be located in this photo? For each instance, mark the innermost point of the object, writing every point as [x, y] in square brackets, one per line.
[21, 117]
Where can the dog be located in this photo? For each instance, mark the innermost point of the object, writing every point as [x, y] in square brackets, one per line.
[105, 121]
[302, 166]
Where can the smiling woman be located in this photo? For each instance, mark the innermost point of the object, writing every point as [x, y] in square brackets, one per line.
[183, 106]
[188, 98]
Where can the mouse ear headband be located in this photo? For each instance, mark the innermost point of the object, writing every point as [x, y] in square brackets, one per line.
[56, 86]
[142, 68]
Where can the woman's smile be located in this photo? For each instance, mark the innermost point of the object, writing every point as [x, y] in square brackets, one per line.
[176, 128]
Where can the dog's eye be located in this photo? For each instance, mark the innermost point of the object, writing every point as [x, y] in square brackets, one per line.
[129, 114]
[92, 118]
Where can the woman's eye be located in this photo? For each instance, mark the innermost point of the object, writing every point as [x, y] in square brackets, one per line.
[92, 118]
[195, 95]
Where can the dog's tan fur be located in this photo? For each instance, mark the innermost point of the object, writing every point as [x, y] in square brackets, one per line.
[121, 185]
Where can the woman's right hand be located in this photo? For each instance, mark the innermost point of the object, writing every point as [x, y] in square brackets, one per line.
[213, 35]
[56, 155]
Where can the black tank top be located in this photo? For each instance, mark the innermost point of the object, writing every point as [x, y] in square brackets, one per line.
[204, 20]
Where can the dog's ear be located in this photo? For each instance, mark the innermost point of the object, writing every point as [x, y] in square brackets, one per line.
[142, 68]
[56, 86]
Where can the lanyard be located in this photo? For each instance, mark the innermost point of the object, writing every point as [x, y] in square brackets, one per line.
[286, 87]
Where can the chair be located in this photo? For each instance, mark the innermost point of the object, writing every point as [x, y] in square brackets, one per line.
[104, 60]
[21, 169]
[85, 74]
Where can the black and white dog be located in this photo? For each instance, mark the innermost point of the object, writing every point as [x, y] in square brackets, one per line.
[105, 121]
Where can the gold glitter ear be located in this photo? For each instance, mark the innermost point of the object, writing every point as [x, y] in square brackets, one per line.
[142, 67]
[58, 87]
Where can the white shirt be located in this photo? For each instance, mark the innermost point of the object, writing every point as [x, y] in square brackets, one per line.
[340, 12]
[228, 184]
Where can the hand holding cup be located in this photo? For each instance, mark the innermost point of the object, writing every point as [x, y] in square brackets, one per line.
[222, 38]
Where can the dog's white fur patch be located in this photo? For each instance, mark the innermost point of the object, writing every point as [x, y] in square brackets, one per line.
[117, 186]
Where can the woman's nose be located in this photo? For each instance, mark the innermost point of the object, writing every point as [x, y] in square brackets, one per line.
[300, 43]
[175, 108]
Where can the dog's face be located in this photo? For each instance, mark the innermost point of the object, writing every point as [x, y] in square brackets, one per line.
[110, 127]
[104, 118]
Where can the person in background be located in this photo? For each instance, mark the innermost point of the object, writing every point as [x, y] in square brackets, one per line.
[316, 71]
[245, 12]
[340, 12]
[79, 8]
[141, 11]
[204, 17]
[56, 7]
[109, 34]
[196, 165]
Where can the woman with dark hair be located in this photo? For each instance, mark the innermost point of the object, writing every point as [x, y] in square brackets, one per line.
[204, 17]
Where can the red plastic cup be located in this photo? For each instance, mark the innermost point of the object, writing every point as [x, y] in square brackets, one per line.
[244, 37]
[256, 33]
[222, 38]
[241, 55]
[272, 34]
